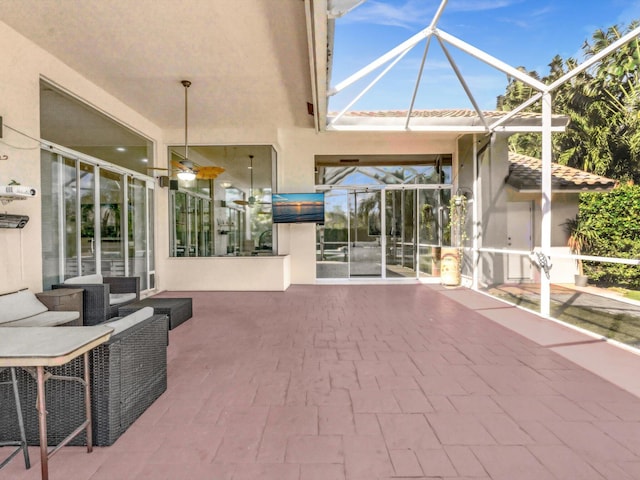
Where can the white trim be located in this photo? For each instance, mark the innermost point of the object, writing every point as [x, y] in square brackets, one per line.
[591, 258]
[457, 129]
[75, 155]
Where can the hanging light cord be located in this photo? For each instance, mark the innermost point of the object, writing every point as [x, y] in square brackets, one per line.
[186, 84]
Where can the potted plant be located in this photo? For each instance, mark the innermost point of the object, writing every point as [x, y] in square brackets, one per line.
[580, 235]
[451, 265]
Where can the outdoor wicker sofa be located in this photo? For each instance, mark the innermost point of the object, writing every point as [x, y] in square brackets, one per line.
[23, 309]
[128, 373]
[103, 296]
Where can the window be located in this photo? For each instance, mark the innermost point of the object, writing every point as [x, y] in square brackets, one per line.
[97, 199]
[226, 209]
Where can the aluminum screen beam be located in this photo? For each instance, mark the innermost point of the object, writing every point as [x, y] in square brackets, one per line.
[391, 54]
[545, 229]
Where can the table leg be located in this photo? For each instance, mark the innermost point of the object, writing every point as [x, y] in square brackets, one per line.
[87, 398]
[42, 423]
[23, 437]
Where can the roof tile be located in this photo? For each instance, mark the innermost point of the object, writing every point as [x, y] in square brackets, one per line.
[525, 174]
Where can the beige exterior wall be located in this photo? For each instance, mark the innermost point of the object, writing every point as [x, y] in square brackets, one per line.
[23, 63]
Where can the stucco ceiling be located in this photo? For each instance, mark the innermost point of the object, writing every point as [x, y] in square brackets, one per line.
[247, 59]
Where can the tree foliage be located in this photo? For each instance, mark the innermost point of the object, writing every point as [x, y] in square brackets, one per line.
[602, 104]
[614, 215]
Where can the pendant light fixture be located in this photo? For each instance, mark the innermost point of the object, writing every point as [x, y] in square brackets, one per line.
[188, 174]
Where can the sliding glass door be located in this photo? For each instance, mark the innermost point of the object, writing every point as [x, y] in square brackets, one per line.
[95, 220]
[365, 246]
[382, 232]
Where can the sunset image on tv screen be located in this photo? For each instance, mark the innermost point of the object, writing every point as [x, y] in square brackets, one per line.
[298, 207]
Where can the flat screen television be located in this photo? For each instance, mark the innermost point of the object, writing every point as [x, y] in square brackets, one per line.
[298, 207]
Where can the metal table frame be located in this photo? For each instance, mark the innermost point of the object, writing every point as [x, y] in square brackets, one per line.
[22, 443]
[41, 347]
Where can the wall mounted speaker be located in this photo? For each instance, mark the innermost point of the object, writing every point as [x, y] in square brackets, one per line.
[173, 184]
[163, 181]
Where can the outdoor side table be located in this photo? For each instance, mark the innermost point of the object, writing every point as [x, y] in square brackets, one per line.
[41, 347]
[63, 299]
[179, 310]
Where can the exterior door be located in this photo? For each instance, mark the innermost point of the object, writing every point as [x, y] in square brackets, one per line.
[401, 232]
[519, 237]
[332, 238]
[365, 248]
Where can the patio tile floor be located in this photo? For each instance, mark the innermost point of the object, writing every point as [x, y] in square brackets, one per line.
[365, 382]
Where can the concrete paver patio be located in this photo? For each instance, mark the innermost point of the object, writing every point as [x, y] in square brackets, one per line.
[366, 382]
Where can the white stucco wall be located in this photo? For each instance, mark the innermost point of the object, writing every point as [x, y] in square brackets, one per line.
[24, 64]
[296, 172]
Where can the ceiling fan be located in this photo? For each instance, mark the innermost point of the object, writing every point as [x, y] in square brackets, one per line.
[252, 199]
[186, 169]
[181, 167]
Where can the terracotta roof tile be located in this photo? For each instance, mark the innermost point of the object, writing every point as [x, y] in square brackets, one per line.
[524, 174]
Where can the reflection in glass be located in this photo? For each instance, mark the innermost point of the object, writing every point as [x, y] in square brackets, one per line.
[400, 221]
[364, 249]
[399, 212]
[53, 227]
[137, 231]
[226, 210]
[332, 238]
[111, 223]
[88, 219]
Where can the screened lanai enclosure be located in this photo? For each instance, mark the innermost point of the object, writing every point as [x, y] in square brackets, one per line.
[515, 235]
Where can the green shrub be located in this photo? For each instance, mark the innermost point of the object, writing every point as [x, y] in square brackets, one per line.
[616, 216]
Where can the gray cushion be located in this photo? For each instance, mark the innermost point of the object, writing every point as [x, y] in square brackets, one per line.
[86, 279]
[119, 298]
[126, 322]
[19, 305]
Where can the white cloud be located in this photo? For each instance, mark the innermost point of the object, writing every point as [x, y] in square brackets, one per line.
[629, 13]
[409, 14]
[476, 6]
[414, 13]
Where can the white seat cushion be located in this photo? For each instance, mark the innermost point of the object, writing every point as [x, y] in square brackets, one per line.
[86, 279]
[19, 305]
[126, 322]
[120, 298]
[45, 319]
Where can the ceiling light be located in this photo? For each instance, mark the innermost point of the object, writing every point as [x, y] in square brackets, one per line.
[121, 149]
[144, 160]
[186, 175]
[225, 184]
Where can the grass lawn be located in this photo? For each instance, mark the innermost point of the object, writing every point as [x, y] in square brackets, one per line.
[622, 327]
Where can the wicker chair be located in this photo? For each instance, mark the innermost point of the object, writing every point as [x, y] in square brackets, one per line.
[128, 373]
[103, 295]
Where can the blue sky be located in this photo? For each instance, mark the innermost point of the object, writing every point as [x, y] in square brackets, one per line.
[518, 32]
